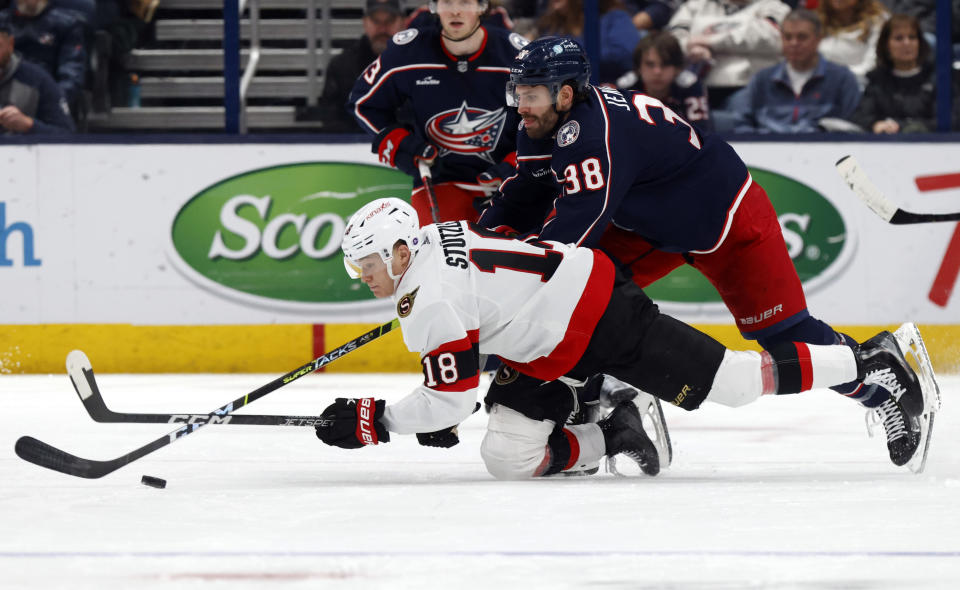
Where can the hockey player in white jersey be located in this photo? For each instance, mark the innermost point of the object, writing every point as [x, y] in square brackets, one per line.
[550, 311]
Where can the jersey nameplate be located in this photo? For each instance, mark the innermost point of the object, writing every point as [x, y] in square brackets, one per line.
[453, 243]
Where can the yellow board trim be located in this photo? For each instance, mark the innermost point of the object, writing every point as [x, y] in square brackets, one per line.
[125, 348]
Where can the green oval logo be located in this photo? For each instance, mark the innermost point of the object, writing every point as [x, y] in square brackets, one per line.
[272, 236]
[817, 240]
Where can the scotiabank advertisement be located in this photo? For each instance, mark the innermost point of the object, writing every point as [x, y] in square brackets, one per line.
[231, 234]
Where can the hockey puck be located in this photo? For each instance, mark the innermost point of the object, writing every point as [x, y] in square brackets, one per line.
[153, 482]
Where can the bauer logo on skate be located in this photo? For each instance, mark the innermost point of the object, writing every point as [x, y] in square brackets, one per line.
[271, 237]
[819, 242]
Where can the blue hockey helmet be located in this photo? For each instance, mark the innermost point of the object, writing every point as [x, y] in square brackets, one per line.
[549, 61]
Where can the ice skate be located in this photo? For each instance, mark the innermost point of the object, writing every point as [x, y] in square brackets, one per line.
[907, 416]
[623, 433]
[614, 391]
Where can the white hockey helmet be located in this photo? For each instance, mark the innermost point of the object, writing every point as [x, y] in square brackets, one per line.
[375, 228]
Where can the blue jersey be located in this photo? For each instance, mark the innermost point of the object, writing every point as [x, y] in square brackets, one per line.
[687, 97]
[625, 158]
[457, 103]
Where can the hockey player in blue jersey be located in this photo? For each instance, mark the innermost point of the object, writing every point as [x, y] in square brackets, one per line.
[451, 79]
[658, 72]
[619, 170]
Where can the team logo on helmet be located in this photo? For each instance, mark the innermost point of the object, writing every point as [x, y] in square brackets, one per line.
[568, 133]
[405, 305]
[467, 130]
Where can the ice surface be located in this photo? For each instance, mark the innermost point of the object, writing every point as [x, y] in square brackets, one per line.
[788, 493]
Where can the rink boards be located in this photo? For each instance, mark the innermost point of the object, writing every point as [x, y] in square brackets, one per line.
[188, 257]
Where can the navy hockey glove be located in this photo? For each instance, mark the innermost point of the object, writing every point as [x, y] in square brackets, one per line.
[443, 438]
[494, 176]
[398, 147]
[353, 423]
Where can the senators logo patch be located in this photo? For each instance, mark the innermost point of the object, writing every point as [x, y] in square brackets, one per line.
[405, 305]
[506, 374]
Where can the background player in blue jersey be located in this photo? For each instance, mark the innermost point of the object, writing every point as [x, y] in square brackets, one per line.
[448, 80]
[623, 172]
[658, 72]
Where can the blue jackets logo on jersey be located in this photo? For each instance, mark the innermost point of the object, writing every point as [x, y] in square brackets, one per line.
[568, 133]
[467, 130]
[405, 36]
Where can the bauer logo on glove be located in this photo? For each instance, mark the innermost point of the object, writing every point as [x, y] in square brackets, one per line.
[353, 423]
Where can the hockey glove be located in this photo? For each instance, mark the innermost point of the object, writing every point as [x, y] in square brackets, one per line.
[492, 178]
[353, 423]
[398, 147]
[443, 438]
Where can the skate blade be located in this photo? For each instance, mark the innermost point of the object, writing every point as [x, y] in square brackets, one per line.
[911, 345]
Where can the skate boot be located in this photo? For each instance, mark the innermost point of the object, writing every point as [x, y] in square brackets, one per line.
[595, 397]
[614, 391]
[623, 433]
[905, 415]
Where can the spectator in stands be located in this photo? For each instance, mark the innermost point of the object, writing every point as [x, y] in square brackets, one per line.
[793, 95]
[728, 41]
[658, 72]
[901, 95]
[926, 13]
[618, 35]
[851, 29]
[650, 15]
[382, 19]
[30, 101]
[52, 38]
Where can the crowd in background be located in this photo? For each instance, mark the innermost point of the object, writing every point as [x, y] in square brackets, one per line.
[758, 66]
[730, 65]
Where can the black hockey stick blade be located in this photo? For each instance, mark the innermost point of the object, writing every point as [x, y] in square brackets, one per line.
[84, 383]
[44, 455]
[863, 187]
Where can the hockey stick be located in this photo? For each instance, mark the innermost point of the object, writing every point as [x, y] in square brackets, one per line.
[85, 384]
[868, 192]
[427, 177]
[45, 455]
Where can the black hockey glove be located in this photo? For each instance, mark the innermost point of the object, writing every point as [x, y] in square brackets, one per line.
[443, 438]
[353, 423]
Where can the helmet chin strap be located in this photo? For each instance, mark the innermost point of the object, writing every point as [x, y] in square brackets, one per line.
[396, 278]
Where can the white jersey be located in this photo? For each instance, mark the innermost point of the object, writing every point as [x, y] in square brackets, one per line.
[470, 291]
